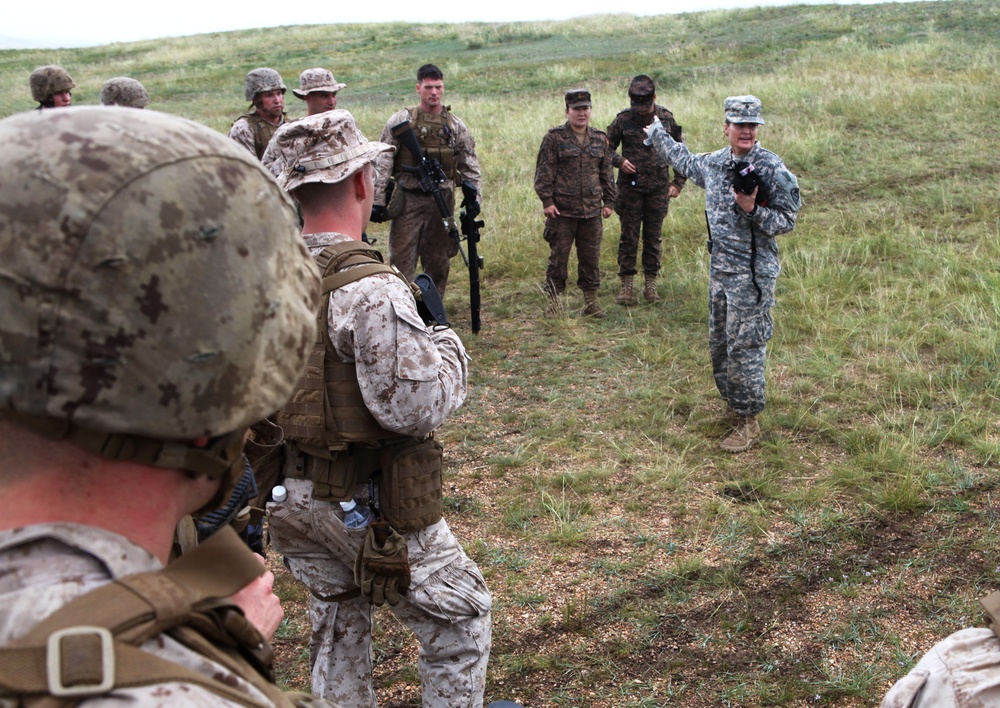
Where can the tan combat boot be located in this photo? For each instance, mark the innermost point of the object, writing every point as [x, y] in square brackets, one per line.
[649, 292]
[625, 296]
[591, 308]
[746, 433]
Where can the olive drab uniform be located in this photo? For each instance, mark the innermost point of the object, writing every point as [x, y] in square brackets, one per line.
[643, 198]
[350, 440]
[417, 231]
[253, 132]
[116, 623]
[961, 671]
[578, 178]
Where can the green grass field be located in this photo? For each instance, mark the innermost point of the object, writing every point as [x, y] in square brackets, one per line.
[632, 563]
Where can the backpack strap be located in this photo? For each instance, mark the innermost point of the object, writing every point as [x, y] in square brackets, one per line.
[91, 645]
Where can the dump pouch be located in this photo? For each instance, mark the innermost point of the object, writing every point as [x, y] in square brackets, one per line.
[410, 491]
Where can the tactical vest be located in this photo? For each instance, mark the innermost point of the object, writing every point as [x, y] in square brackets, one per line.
[90, 646]
[327, 413]
[262, 131]
[437, 140]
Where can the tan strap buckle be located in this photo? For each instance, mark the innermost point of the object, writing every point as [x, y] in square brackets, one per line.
[54, 662]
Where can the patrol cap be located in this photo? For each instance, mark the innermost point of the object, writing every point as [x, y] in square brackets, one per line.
[123, 91]
[641, 90]
[326, 147]
[153, 283]
[261, 80]
[48, 80]
[578, 98]
[317, 80]
[743, 109]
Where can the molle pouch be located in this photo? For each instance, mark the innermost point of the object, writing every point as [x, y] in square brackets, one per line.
[396, 200]
[411, 485]
[335, 480]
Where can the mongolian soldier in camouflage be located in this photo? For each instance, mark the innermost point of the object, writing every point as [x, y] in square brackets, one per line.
[52, 87]
[318, 89]
[173, 307]
[750, 198]
[644, 187]
[122, 91]
[575, 181]
[417, 229]
[360, 433]
[266, 92]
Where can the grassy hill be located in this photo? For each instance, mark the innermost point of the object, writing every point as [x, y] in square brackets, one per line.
[632, 563]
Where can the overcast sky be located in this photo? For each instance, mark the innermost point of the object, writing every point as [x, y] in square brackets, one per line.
[73, 23]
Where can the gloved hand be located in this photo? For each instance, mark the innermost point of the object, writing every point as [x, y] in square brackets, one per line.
[382, 568]
[379, 214]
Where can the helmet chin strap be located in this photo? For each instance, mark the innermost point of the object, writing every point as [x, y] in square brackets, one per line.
[218, 457]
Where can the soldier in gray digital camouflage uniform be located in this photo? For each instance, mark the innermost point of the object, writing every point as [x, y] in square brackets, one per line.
[644, 187]
[52, 87]
[172, 307]
[123, 91]
[390, 381]
[318, 89]
[265, 90]
[574, 179]
[744, 261]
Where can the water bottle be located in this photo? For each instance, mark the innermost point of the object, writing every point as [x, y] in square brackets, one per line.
[279, 494]
[355, 517]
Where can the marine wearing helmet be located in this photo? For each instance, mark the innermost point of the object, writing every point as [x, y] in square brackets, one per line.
[51, 86]
[265, 90]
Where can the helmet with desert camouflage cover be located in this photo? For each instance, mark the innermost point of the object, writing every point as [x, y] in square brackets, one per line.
[261, 80]
[123, 91]
[48, 80]
[157, 298]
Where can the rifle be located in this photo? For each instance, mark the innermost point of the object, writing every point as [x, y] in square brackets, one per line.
[470, 229]
[430, 176]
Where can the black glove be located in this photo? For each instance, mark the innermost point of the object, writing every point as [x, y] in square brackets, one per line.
[379, 214]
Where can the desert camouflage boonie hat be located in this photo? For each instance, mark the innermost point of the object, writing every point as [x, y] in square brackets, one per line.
[261, 80]
[122, 91]
[743, 109]
[326, 147]
[641, 90]
[153, 282]
[48, 80]
[578, 98]
[317, 80]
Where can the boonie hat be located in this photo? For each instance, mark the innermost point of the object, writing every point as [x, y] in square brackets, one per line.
[641, 90]
[317, 80]
[743, 109]
[326, 147]
[577, 98]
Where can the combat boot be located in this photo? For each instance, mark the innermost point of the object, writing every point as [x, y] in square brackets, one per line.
[625, 296]
[649, 292]
[746, 433]
[591, 307]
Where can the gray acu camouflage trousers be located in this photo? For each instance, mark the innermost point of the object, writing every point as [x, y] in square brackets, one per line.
[738, 331]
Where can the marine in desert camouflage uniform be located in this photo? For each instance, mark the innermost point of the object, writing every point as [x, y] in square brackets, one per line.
[575, 181]
[418, 231]
[123, 91]
[318, 89]
[644, 187]
[265, 90]
[407, 379]
[133, 356]
[52, 87]
[744, 262]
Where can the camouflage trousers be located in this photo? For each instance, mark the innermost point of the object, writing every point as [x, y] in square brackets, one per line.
[645, 211]
[419, 233]
[447, 606]
[738, 331]
[561, 233]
